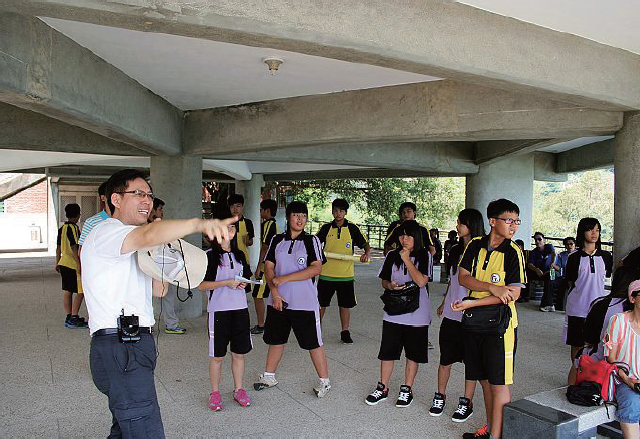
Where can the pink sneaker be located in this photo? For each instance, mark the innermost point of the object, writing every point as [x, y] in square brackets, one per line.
[215, 401]
[242, 398]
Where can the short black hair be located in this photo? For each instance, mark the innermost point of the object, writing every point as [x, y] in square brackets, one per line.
[102, 190]
[472, 218]
[157, 202]
[567, 239]
[538, 233]
[498, 207]
[296, 207]
[235, 199]
[340, 203]
[269, 204]
[520, 242]
[71, 210]
[119, 182]
[405, 205]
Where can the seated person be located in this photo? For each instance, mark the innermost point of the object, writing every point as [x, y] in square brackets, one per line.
[540, 260]
[560, 285]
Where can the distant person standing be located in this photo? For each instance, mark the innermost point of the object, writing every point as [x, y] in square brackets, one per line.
[434, 234]
[407, 211]
[337, 276]
[244, 226]
[68, 265]
[560, 282]
[168, 301]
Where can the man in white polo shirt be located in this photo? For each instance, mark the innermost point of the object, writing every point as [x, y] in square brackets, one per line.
[116, 289]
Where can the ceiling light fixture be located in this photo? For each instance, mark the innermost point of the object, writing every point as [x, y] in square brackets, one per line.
[273, 63]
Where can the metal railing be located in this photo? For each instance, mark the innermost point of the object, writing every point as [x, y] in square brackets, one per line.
[375, 233]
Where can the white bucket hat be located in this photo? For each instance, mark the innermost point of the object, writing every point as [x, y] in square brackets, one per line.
[177, 262]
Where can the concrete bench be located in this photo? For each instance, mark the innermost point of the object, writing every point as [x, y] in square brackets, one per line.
[549, 415]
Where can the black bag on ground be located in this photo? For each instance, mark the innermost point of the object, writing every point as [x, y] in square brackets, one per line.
[402, 301]
[587, 393]
[486, 319]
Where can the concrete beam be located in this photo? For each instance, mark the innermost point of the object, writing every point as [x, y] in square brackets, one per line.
[428, 111]
[28, 130]
[493, 50]
[592, 156]
[491, 151]
[544, 167]
[445, 158]
[46, 72]
[347, 173]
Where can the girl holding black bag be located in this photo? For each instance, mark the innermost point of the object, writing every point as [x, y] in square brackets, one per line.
[404, 273]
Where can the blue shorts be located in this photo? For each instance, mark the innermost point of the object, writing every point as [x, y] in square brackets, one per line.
[628, 404]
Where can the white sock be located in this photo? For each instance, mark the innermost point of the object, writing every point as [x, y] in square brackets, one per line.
[325, 381]
[269, 374]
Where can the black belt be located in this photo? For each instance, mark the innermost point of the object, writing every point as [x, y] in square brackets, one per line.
[111, 331]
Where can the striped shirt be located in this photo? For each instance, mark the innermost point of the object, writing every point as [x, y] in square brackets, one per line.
[90, 223]
[622, 343]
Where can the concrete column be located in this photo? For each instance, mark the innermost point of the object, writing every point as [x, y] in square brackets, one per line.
[252, 192]
[177, 180]
[626, 226]
[511, 178]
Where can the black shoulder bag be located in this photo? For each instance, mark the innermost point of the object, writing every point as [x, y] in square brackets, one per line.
[486, 319]
[402, 301]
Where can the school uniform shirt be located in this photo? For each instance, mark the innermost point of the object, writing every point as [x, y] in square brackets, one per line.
[67, 238]
[290, 255]
[390, 272]
[244, 227]
[456, 291]
[113, 281]
[503, 265]
[340, 240]
[587, 273]
[268, 229]
[228, 267]
[90, 223]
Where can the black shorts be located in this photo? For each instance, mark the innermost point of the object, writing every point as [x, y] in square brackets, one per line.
[229, 328]
[573, 331]
[261, 291]
[305, 325]
[451, 340]
[490, 357]
[413, 339]
[69, 279]
[344, 289]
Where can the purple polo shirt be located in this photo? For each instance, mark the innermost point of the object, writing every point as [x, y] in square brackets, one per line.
[400, 274]
[291, 255]
[225, 298]
[456, 291]
[587, 273]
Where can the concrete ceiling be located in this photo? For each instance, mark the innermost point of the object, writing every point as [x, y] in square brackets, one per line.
[192, 73]
[612, 22]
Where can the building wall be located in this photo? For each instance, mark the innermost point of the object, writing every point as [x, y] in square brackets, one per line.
[31, 201]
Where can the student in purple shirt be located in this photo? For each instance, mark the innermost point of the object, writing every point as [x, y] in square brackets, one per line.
[451, 338]
[292, 262]
[228, 316]
[586, 270]
[408, 331]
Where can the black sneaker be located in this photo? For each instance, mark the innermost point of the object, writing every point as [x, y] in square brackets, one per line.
[437, 406]
[257, 330]
[464, 410]
[377, 395]
[345, 336]
[405, 396]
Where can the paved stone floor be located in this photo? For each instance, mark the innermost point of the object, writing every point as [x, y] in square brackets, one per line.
[47, 389]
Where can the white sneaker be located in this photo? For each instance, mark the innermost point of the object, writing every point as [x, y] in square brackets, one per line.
[265, 382]
[321, 389]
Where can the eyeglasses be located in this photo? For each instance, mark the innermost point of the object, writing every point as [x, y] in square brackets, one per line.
[138, 193]
[509, 221]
